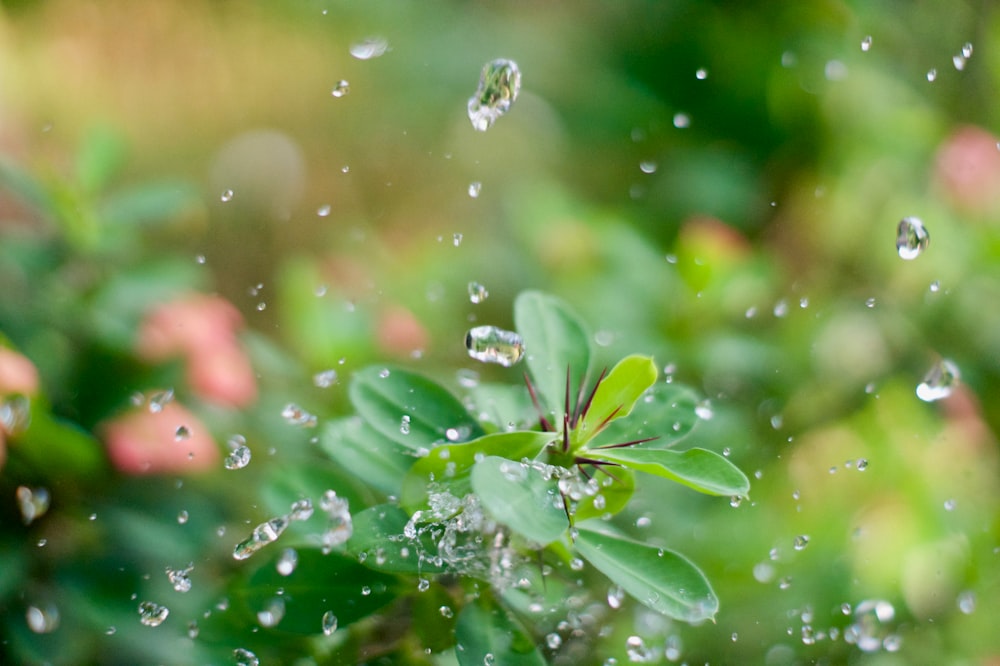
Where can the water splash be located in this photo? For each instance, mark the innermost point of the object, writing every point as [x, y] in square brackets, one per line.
[499, 84]
[32, 502]
[341, 526]
[152, 615]
[912, 238]
[939, 382]
[490, 344]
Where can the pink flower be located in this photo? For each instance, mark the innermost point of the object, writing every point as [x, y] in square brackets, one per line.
[968, 167]
[203, 331]
[170, 441]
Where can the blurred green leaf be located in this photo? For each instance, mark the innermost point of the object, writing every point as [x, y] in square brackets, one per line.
[148, 205]
[366, 454]
[555, 342]
[53, 446]
[100, 158]
[485, 628]
[660, 579]
[451, 464]
[700, 469]
[378, 539]
[26, 187]
[504, 404]
[383, 396]
[617, 487]
[519, 497]
[616, 395]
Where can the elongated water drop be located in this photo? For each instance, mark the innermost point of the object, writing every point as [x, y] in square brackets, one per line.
[262, 535]
[499, 84]
[912, 238]
[939, 382]
[369, 48]
[494, 345]
[329, 623]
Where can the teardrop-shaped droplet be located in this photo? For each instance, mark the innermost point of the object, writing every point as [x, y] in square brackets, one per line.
[499, 84]
[494, 345]
[152, 615]
[912, 238]
[329, 623]
[939, 382]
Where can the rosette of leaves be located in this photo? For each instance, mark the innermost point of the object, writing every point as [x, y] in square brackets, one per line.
[490, 495]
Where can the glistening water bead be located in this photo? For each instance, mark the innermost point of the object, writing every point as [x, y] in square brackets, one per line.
[499, 84]
[939, 382]
[912, 238]
[490, 344]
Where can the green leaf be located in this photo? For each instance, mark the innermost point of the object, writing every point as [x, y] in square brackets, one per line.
[384, 399]
[149, 205]
[705, 471]
[485, 628]
[554, 340]
[503, 404]
[101, 157]
[357, 447]
[661, 579]
[320, 583]
[666, 412]
[616, 395]
[378, 542]
[616, 490]
[451, 464]
[517, 496]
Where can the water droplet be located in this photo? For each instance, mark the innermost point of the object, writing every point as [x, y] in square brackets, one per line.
[785, 583]
[616, 595]
[576, 564]
[295, 415]
[474, 189]
[272, 613]
[456, 239]
[324, 210]
[701, 74]
[238, 458]
[869, 629]
[777, 421]
[553, 641]
[42, 620]
[423, 585]
[866, 43]
[325, 379]
[33, 503]
[369, 48]
[494, 345]
[637, 650]
[152, 615]
[262, 535]
[931, 75]
[226, 196]
[763, 572]
[446, 612]
[340, 526]
[340, 88]
[967, 50]
[182, 433]
[477, 293]
[835, 70]
[780, 308]
[287, 561]
[950, 505]
[301, 510]
[499, 84]
[158, 400]
[200, 259]
[489, 659]
[384, 373]
[912, 238]
[643, 521]
[245, 657]
[182, 517]
[861, 464]
[648, 166]
[967, 602]
[180, 579]
[682, 120]
[800, 542]
[939, 382]
[329, 623]
[404, 425]
[703, 410]
[958, 61]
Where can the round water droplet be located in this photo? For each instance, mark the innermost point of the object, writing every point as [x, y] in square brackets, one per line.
[182, 433]
[490, 344]
[701, 74]
[912, 238]
[238, 458]
[42, 620]
[369, 48]
[152, 615]
[800, 542]
[967, 602]
[950, 505]
[682, 120]
[340, 88]
[499, 85]
[648, 166]
[226, 196]
[939, 382]
[474, 189]
[477, 293]
[967, 50]
[958, 61]
[272, 613]
[931, 75]
[616, 595]
[553, 641]
[245, 657]
[446, 612]
[287, 562]
[324, 210]
[866, 43]
[182, 517]
[703, 410]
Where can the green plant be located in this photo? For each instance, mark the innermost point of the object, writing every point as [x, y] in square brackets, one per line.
[500, 500]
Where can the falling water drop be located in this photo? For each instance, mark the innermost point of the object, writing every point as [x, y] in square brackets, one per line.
[967, 602]
[329, 623]
[911, 238]
[494, 345]
[245, 657]
[272, 613]
[340, 88]
[475, 188]
[42, 620]
[870, 629]
[939, 382]
[152, 615]
[295, 415]
[701, 74]
[180, 579]
[931, 75]
[369, 48]
[800, 542]
[226, 196]
[287, 562]
[866, 43]
[477, 293]
[325, 379]
[238, 458]
[499, 84]
[262, 535]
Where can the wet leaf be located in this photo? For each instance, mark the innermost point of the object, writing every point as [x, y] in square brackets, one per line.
[705, 471]
[357, 447]
[554, 340]
[621, 486]
[383, 396]
[665, 412]
[660, 579]
[485, 628]
[616, 395]
[451, 464]
[517, 496]
[499, 405]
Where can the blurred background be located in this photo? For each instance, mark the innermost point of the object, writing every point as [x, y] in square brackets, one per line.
[717, 184]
